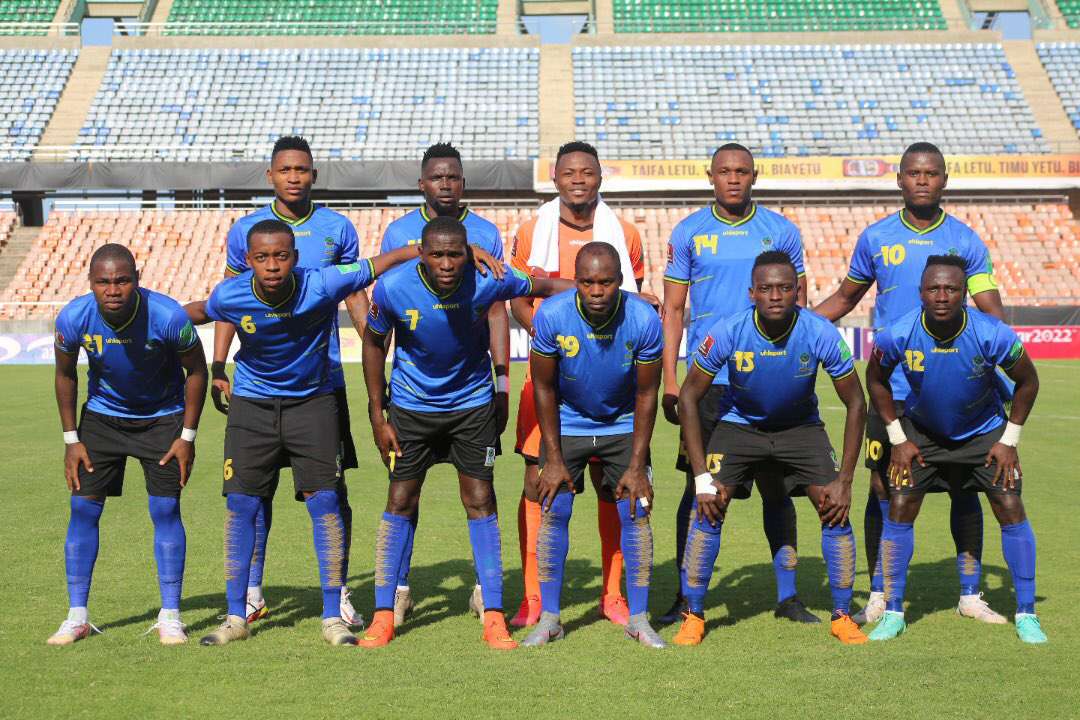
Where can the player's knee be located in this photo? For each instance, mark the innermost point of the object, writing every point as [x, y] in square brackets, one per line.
[904, 508]
[401, 500]
[1008, 509]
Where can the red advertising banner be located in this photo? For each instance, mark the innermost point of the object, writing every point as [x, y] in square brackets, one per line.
[1050, 341]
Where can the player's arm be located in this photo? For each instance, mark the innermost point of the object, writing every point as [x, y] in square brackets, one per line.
[989, 302]
[846, 298]
[373, 357]
[499, 345]
[836, 501]
[904, 452]
[224, 332]
[1003, 453]
[522, 310]
[635, 483]
[674, 307]
[183, 448]
[67, 392]
[711, 499]
[357, 305]
[543, 287]
[800, 294]
[554, 475]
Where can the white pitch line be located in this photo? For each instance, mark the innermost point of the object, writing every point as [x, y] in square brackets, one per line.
[1041, 363]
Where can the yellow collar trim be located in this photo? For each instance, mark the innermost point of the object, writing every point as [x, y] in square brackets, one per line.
[781, 336]
[601, 326]
[300, 221]
[933, 226]
[735, 223]
[292, 290]
[138, 304]
[963, 325]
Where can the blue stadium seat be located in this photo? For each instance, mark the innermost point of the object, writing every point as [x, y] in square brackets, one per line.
[30, 84]
[1062, 63]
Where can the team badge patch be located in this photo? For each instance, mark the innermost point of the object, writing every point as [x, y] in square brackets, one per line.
[845, 351]
[705, 346]
[489, 457]
[835, 461]
[1016, 350]
[329, 242]
[766, 243]
[188, 335]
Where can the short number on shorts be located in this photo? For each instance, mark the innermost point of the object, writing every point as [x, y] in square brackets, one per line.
[744, 361]
[247, 325]
[873, 449]
[228, 469]
[712, 462]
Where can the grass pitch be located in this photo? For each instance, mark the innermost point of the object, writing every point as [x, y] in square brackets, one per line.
[750, 664]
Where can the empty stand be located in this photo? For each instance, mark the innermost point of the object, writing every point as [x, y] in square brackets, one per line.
[1070, 10]
[775, 15]
[1062, 63]
[26, 11]
[352, 103]
[30, 84]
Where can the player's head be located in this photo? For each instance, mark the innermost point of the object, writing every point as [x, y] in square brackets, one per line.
[732, 175]
[577, 174]
[444, 252]
[271, 253]
[292, 170]
[774, 285]
[598, 276]
[922, 177]
[943, 287]
[114, 279]
[442, 179]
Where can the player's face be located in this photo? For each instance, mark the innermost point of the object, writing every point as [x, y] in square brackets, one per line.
[922, 179]
[577, 178]
[443, 183]
[444, 259]
[113, 283]
[598, 281]
[292, 175]
[271, 257]
[942, 291]
[732, 176]
[774, 291]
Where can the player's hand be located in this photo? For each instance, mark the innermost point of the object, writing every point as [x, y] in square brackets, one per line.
[552, 479]
[74, 454]
[670, 403]
[900, 463]
[485, 261]
[835, 502]
[220, 388]
[184, 452]
[502, 412]
[654, 301]
[386, 442]
[634, 484]
[713, 507]
[1008, 465]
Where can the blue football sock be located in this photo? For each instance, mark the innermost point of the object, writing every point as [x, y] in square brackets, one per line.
[778, 519]
[876, 510]
[393, 535]
[838, 549]
[81, 548]
[636, 542]
[328, 532]
[487, 559]
[346, 523]
[552, 543]
[897, 547]
[702, 547]
[1018, 547]
[170, 548]
[240, 512]
[682, 525]
[966, 523]
[262, 532]
[406, 560]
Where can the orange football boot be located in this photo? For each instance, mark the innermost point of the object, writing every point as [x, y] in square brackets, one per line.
[381, 630]
[846, 631]
[692, 630]
[528, 613]
[495, 633]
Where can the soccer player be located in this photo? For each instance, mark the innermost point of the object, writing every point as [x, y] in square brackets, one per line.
[442, 181]
[596, 372]
[892, 253]
[323, 238]
[284, 408]
[441, 407]
[953, 433]
[770, 416]
[147, 383]
[710, 255]
[548, 244]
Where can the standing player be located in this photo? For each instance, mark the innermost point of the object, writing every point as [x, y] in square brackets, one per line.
[323, 238]
[441, 407]
[892, 253]
[139, 404]
[442, 181]
[548, 244]
[771, 352]
[710, 255]
[596, 372]
[953, 434]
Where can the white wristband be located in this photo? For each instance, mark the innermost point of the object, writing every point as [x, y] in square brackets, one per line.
[703, 484]
[71, 437]
[896, 432]
[188, 434]
[502, 384]
[1011, 436]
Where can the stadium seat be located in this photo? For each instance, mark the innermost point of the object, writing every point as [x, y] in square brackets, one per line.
[26, 11]
[776, 15]
[30, 84]
[353, 104]
[1062, 63]
[797, 100]
[1070, 9]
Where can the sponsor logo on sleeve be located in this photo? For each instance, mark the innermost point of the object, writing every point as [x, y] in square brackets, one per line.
[705, 346]
[373, 311]
[350, 268]
[670, 252]
[878, 355]
[845, 351]
[1015, 350]
[187, 335]
[58, 338]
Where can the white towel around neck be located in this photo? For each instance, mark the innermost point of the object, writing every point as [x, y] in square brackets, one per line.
[544, 253]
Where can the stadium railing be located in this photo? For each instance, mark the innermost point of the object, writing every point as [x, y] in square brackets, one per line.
[351, 27]
[39, 28]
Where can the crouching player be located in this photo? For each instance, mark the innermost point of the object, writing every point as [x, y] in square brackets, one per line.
[770, 418]
[596, 371]
[954, 434]
[140, 345]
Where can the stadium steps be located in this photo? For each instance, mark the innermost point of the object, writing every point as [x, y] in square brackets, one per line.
[75, 100]
[15, 251]
[1044, 101]
[556, 96]
[955, 14]
[506, 17]
[604, 15]
[161, 12]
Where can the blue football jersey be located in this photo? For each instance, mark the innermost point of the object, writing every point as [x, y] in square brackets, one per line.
[771, 381]
[714, 256]
[441, 359]
[135, 369]
[597, 380]
[323, 238]
[406, 230]
[284, 348]
[893, 253]
[954, 392]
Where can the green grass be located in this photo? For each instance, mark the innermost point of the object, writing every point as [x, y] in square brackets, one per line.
[749, 666]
